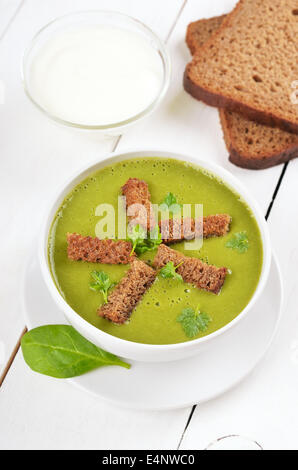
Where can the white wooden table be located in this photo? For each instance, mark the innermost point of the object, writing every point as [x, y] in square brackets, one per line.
[36, 155]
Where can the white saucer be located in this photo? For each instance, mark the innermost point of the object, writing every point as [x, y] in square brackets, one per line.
[178, 384]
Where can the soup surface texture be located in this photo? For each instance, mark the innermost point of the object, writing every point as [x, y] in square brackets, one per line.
[154, 321]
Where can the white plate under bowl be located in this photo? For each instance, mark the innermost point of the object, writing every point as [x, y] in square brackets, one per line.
[177, 384]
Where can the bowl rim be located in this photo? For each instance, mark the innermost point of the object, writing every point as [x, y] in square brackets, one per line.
[130, 153]
[162, 50]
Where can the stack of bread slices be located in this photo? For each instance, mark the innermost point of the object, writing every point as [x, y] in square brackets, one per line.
[246, 64]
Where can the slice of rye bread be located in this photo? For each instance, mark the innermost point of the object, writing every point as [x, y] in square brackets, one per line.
[256, 146]
[250, 63]
[250, 144]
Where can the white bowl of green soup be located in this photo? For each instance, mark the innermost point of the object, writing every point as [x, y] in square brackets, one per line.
[141, 294]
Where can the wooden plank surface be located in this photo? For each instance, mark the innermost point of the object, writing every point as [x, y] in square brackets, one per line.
[37, 156]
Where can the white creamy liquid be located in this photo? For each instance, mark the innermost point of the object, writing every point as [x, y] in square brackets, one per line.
[96, 75]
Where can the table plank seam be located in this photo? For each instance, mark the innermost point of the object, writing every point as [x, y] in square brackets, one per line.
[12, 357]
[281, 176]
[12, 18]
[186, 425]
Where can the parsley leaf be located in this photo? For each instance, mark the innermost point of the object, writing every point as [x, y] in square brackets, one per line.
[141, 244]
[170, 203]
[102, 283]
[137, 235]
[238, 242]
[193, 321]
[169, 271]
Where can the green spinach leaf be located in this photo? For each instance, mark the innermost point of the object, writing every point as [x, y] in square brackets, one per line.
[60, 351]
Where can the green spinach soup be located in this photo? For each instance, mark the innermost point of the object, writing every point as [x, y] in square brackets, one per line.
[171, 310]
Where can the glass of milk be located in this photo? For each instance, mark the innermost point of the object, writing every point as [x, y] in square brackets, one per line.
[96, 70]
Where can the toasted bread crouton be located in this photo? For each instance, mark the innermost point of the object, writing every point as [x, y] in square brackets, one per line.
[95, 250]
[128, 293]
[136, 191]
[193, 270]
[216, 225]
[213, 226]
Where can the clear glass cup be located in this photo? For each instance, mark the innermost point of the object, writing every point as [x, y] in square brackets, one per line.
[78, 20]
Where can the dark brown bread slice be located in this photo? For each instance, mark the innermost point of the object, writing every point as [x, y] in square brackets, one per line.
[172, 230]
[193, 270]
[249, 64]
[128, 293]
[256, 146]
[95, 250]
[136, 191]
[250, 144]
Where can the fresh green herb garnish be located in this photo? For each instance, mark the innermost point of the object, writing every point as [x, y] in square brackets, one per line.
[170, 203]
[102, 283]
[150, 243]
[238, 242]
[141, 244]
[169, 271]
[193, 321]
[136, 235]
[60, 351]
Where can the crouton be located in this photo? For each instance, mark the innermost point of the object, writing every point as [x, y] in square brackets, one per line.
[193, 270]
[136, 191]
[213, 226]
[216, 225]
[128, 293]
[95, 250]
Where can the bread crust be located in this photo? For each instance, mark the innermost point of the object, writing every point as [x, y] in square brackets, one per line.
[263, 163]
[219, 101]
